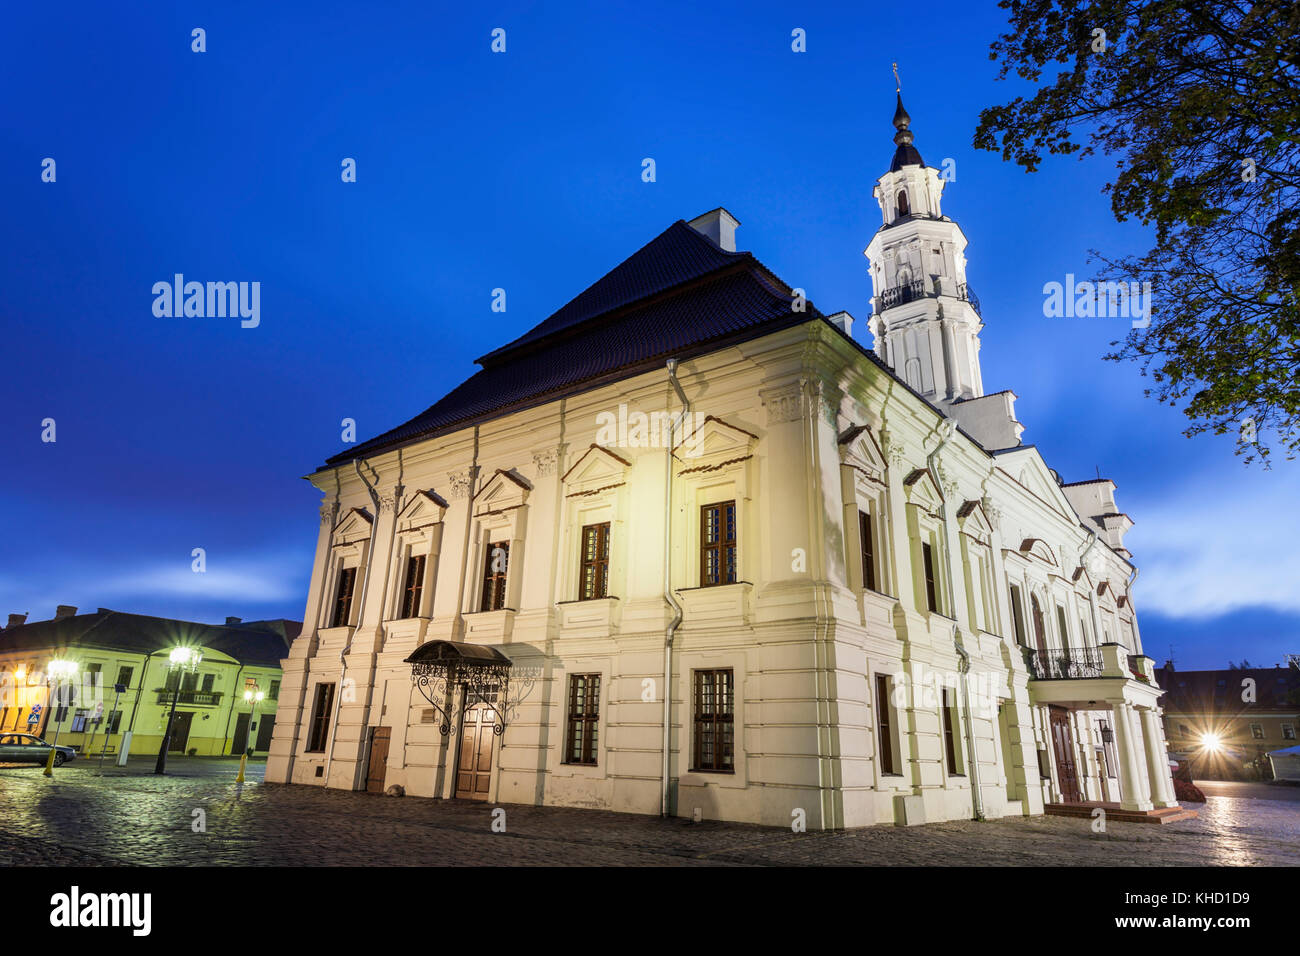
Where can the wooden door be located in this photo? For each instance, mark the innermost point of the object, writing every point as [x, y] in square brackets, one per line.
[474, 766]
[181, 731]
[265, 731]
[1063, 744]
[241, 736]
[378, 766]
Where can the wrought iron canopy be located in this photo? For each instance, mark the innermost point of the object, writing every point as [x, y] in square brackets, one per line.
[438, 668]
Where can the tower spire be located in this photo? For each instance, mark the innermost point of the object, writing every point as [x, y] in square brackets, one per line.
[906, 154]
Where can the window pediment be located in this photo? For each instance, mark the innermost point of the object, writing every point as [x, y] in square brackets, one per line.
[712, 444]
[503, 491]
[1037, 548]
[424, 508]
[922, 489]
[972, 520]
[354, 525]
[596, 469]
[860, 451]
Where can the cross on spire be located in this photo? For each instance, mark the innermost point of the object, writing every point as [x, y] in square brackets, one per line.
[898, 84]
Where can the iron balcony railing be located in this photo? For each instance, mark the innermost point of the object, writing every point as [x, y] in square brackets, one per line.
[911, 291]
[199, 698]
[1076, 663]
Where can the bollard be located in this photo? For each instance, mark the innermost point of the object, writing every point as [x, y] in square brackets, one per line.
[49, 763]
[243, 759]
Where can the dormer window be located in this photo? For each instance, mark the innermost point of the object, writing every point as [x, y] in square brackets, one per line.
[903, 208]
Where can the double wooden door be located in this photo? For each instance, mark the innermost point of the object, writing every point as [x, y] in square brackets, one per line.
[1063, 745]
[474, 760]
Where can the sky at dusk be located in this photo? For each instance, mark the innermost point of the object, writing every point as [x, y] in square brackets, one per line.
[520, 171]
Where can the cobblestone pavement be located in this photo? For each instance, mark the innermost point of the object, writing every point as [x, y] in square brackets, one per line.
[130, 816]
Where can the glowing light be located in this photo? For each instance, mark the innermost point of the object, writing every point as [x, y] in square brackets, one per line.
[59, 669]
[1211, 742]
[184, 657]
[250, 696]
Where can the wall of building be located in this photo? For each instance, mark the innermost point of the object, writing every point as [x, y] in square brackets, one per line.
[802, 634]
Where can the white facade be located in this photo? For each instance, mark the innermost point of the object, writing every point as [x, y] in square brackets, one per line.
[908, 701]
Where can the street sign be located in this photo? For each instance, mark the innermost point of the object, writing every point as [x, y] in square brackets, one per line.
[33, 719]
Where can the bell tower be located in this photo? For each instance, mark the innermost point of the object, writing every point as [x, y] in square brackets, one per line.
[925, 319]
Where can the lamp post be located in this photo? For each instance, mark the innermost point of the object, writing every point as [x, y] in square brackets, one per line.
[253, 697]
[55, 674]
[180, 660]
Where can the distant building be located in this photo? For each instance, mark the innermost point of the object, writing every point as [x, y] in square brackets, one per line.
[113, 648]
[1227, 721]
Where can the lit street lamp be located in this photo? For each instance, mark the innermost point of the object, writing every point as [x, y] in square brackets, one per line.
[55, 674]
[253, 698]
[181, 660]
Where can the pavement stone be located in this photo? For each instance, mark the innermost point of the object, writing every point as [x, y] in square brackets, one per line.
[129, 816]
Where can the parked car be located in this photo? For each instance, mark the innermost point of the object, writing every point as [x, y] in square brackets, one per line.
[28, 748]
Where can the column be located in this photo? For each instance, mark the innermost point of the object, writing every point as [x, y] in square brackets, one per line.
[1162, 785]
[1132, 794]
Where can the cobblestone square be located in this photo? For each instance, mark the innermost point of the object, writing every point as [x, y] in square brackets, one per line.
[131, 817]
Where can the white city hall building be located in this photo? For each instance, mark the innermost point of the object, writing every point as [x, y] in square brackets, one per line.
[689, 547]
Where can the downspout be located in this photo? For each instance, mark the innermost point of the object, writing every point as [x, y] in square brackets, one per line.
[388, 570]
[231, 713]
[1092, 593]
[671, 630]
[361, 607]
[948, 430]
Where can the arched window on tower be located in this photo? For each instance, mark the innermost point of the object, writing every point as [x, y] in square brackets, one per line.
[903, 209]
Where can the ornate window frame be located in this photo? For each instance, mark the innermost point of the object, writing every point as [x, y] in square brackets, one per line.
[349, 547]
[499, 511]
[418, 531]
[863, 488]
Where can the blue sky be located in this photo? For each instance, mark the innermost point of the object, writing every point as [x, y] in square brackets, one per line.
[518, 170]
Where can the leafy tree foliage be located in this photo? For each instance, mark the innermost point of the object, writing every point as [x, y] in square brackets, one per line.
[1199, 100]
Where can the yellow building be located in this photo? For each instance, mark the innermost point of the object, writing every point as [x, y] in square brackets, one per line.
[1226, 722]
[115, 683]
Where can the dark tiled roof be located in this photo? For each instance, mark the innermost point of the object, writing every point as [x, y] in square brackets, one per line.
[261, 642]
[1276, 689]
[676, 255]
[678, 296]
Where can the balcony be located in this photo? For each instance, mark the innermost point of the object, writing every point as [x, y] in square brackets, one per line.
[1071, 664]
[911, 291]
[196, 698]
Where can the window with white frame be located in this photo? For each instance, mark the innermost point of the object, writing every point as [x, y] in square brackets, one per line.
[500, 514]
[593, 543]
[418, 529]
[349, 544]
[866, 525]
[712, 485]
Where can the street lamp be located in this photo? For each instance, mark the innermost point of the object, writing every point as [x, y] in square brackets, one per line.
[179, 661]
[55, 674]
[253, 698]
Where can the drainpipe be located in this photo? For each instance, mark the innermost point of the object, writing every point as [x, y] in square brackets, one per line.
[225, 739]
[670, 631]
[361, 607]
[1128, 589]
[1092, 592]
[388, 570]
[947, 430]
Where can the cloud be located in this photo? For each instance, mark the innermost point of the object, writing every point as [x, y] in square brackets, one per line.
[255, 581]
[1218, 543]
[263, 579]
